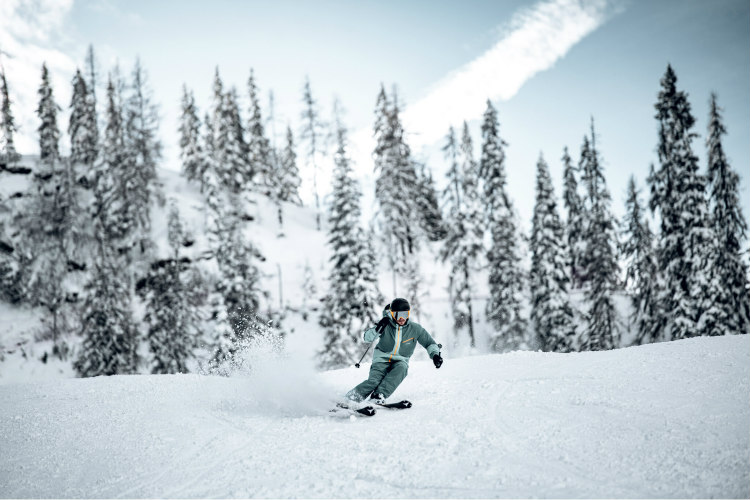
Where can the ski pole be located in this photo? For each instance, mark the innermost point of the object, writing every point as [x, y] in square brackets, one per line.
[365, 354]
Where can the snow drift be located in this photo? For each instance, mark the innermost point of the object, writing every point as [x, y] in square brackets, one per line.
[663, 420]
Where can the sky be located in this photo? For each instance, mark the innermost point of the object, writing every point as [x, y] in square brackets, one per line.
[548, 66]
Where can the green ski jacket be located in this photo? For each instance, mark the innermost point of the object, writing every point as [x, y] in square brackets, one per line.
[397, 343]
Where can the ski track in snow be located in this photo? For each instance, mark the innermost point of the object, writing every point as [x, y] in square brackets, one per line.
[664, 420]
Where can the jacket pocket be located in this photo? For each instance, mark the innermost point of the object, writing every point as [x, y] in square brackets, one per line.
[407, 347]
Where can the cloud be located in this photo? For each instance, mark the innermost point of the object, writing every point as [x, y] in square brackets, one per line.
[31, 33]
[533, 41]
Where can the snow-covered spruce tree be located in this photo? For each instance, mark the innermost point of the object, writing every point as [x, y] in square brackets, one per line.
[582, 272]
[729, 226]
[290, 181]
[49, 132]
[551, 312]
[603, 325]
[349, 305]
[91, 73]
[686, 238]
[110, 338]
[144, 151]
[192, 155]
[260, 154]
[430, 217]
[115, 179]
[506, 277]
[641, 278]
[312, 133]
[452, 191]
[463, 245]
[576, 220]
[237, 149]
[83, 130]
[395, 177]
[171, 319]
[225, 146]
[8, 153]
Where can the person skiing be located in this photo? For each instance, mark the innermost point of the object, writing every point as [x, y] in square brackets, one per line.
[390, 360]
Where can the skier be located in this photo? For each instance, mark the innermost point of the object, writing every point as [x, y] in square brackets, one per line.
[390, 361]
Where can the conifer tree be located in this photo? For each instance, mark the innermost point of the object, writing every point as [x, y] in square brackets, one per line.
[115, 178]
[641, 278]
[259, 148]
[581, 256]
[452, 192]
[430, 217]
[290, 180]
[109, 334]
[92, 118]
[551, 312]
[83, 130]
[225, 139]
[92, 74]
[110, 338]
[171, 319]
[49, 132]
[191, 151]
[143, 149]
[8, 153]
[506, 279]
[603, 328]
[730, 227]
[396, 175]
[575, 226]
[678, 193]
[463, 245]
[312, 133]
[348, 308]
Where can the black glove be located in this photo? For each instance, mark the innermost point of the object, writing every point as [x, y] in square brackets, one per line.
[380, 327]
[437, 360]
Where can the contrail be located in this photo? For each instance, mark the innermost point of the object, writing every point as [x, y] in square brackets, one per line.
[533, 41]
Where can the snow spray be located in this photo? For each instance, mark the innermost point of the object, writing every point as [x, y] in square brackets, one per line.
[273, 380]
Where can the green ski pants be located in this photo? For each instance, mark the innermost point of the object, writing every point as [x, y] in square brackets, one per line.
[384, 378]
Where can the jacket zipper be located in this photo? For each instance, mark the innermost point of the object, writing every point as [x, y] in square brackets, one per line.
[398, 341]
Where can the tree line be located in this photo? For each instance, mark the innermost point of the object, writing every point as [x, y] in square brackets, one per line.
[92, 259]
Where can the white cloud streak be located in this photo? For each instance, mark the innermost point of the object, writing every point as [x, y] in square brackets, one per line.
[534, 40]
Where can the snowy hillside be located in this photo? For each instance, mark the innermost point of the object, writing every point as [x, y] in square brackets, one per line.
[663, 420]
[288, 251]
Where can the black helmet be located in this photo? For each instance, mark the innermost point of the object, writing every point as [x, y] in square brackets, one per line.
[400, 305]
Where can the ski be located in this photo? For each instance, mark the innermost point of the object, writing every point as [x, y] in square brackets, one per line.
[367, 411]
[401, 405]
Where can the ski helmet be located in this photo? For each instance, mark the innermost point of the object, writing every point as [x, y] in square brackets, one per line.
[400, 305]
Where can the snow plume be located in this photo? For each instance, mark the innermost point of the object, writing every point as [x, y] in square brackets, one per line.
[533, 41]
[275, 381]
[31, 33]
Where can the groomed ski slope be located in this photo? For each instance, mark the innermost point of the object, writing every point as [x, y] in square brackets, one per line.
[665, 420]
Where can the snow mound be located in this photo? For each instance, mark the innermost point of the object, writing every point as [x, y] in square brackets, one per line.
[663, 420]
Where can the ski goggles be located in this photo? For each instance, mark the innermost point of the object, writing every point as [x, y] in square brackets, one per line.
[400, 314]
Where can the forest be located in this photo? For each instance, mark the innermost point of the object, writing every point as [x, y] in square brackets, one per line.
[77, 244]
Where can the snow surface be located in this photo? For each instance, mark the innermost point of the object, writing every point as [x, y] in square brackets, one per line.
[662, 420]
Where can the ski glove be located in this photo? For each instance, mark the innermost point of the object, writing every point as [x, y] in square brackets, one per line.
[380, 327]
[437, 360]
